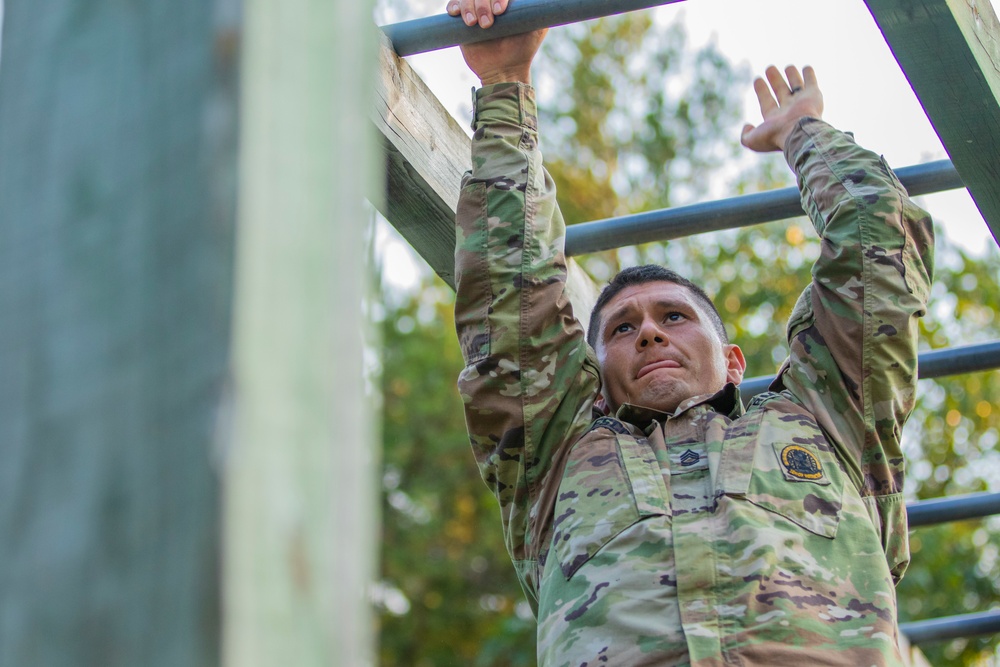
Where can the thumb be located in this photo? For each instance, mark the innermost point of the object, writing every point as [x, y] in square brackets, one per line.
[747, 129]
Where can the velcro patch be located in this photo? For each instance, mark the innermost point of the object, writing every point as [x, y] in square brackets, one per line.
[609, 423]
[689, 458]
[800, 464]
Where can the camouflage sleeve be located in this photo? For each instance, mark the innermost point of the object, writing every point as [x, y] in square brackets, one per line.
[853, 333]
[530, 378]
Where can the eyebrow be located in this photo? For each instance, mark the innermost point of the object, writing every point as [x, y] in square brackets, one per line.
[662, 304]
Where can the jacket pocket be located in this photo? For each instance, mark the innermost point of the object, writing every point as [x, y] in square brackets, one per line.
[782, 463]
[799, 485]
[611, 482]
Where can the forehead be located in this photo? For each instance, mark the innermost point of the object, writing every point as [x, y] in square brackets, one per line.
[645, 294]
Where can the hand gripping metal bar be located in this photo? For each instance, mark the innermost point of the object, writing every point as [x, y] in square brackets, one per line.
[441, 31]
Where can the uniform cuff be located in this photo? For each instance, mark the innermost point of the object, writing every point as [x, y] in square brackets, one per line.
[806, 134]
[505, 102]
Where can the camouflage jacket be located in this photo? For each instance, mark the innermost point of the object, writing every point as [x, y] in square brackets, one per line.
[710, 536]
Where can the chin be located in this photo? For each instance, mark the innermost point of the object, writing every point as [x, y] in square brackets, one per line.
[664, 396]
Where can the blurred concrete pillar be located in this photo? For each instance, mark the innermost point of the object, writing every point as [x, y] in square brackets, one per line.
[116, 208]
[300, 510]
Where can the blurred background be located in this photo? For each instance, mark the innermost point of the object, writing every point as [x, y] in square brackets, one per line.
[229, 428]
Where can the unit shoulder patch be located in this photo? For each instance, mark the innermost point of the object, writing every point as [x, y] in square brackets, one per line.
[800, 463]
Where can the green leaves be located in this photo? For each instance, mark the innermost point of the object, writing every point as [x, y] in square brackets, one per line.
[624, 100]
[447, 595]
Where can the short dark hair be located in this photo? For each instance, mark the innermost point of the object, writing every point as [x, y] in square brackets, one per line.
[650, 273]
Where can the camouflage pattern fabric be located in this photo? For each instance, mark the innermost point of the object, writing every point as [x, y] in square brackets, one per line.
[710, 536]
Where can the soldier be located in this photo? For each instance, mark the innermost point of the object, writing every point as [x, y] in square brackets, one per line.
[650, 518]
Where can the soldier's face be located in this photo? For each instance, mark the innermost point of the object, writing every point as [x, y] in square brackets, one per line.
[657, 347]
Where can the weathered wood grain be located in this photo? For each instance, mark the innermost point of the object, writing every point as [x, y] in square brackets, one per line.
[301, 487]
[425, 153]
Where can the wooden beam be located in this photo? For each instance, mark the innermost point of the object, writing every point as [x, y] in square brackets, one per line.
[426, 153]
[950, 53]
[301, 490]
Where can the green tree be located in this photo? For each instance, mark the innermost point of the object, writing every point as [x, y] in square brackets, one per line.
[448, 593]
[952, 448]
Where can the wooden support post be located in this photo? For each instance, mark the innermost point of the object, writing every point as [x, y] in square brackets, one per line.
[115, 246]
[425, 155]
[950, 53]
[300, 485]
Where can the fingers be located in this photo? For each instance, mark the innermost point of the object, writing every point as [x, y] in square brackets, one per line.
[481, 12]
[810, 77]
[794, 78]
[781, 89]
[484, 13]
[764, 98]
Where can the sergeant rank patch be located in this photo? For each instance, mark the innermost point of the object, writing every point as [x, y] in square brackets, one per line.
[800, 463]
[689, 458]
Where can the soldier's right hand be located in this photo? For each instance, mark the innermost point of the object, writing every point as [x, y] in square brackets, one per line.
[477, 11]
[507, 59]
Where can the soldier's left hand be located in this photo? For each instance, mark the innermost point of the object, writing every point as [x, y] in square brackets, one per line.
[782, 104]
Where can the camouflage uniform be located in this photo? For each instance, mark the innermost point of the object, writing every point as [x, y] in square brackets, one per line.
[710, 536]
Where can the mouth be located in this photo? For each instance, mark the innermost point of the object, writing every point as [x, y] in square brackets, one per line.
[656, 365]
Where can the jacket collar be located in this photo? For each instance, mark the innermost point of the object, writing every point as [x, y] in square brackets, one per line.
[726, 401]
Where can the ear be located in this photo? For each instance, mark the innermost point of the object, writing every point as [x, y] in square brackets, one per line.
[736, 364]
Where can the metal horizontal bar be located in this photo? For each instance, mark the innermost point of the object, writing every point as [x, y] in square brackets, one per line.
[957, 360]
[934, 364]
[742, 211]
[952, 627]
[955, 508]
[441, 31]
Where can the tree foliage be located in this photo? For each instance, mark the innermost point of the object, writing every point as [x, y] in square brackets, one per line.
[633, 120]
[448, 594]
[638, 117]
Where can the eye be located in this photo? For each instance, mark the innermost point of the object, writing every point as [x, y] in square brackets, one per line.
[674, 317]
[624, 327]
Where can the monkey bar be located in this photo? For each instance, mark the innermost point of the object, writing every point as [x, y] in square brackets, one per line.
[441, 31]
[942, 510]
[952, 627]
[934, 364]
[956, 508]
[743, 211]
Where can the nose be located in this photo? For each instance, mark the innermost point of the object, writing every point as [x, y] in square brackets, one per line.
[649, 333]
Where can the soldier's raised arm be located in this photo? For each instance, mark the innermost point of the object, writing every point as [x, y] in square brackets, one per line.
[853, 332]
